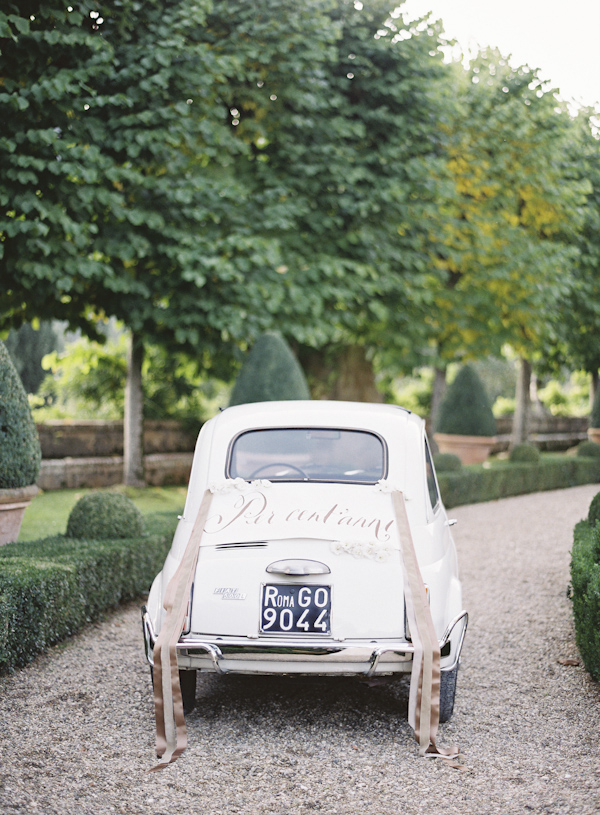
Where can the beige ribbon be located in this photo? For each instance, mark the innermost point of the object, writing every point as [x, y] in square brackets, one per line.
[424, 697]
[171, 733]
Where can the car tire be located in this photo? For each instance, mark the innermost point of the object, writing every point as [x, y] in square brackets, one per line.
[447, 693]
[187, 683]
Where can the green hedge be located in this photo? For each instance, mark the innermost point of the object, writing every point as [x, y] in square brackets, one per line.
[585, 582]
[501, 479]
[50, 588]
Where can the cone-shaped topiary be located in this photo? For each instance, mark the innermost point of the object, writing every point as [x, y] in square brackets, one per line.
[595, 414]
[20, 453]
[465, 409]
[103, 515]
[271, 373]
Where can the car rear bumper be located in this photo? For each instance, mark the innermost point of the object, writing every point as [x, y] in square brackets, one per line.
[295, 656]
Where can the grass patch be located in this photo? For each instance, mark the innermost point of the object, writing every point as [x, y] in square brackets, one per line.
[49, 511]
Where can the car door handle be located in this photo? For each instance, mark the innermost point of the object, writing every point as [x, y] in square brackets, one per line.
[298, 566]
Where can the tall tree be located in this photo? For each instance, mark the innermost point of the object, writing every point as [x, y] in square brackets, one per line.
[577, 328]
[341, 173]
[502, 246]
[119, 188]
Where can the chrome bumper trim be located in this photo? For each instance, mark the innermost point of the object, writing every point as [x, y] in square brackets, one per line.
[243, 648]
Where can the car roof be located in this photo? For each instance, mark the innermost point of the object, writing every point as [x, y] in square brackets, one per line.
[365, 415]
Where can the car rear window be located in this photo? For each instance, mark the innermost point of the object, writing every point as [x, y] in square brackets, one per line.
[308, 454]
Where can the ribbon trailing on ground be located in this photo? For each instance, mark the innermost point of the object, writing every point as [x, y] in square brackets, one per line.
[424, 697]
[171, 733]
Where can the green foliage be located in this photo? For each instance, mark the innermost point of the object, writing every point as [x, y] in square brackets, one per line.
[414, 392]
[588, 449]
[50, 588]
[502, 479]
[446, 462]
[577, 324]
[509, 215]
[342, 171]
[20, 453]
[49, 513]
[465, 409]
[102, 515]
[585, 582]
[271, 372]
[595, 414]
[594, 511]
[525, 454]
[118, 190]
[87, 381]
[27, 347]
[566, 397]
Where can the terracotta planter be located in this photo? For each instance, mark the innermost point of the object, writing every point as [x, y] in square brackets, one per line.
[594, 434]
[13, 503]
[469, 449]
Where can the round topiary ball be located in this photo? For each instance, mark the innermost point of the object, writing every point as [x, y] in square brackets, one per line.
[588, 449]
[594, 511]
[447, 462]
[525, 454]
[105, 515]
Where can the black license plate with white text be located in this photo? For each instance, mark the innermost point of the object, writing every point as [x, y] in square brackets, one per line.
[289, 609]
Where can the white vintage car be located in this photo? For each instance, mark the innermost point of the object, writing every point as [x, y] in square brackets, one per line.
[297, 564]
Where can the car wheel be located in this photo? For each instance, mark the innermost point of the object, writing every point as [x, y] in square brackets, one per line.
[447, 693]
[187, 682]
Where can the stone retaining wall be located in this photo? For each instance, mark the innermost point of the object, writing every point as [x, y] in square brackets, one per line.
[70, 439]
[161, 469]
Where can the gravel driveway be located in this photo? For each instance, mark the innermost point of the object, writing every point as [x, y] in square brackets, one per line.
[77, 727]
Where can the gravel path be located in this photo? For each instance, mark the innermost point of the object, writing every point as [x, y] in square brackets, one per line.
[77, 728]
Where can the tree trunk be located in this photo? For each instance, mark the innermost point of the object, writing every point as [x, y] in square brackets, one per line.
[520, 429]
[133, 425]
[340, 374]
[355, 377]
[594, 382]
[439, 389]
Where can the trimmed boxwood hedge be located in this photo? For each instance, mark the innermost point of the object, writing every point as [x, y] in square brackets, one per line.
[585, 583]
[50, 588]
[501, 479]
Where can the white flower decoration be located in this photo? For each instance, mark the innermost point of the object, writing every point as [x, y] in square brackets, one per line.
[239, 484]
[370, 550]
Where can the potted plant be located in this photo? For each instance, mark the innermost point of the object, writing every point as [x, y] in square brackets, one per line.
[20, 453]
[594, 428]
[465, 424]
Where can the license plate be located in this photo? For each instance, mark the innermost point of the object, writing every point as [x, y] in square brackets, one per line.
[295, 609]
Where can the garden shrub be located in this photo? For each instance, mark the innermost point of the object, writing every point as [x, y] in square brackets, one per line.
[465, 409]
[594, 510]
[585, 585]
[271, 373]
[525, 454]
[504, 478]
[446, 462]
[20, 454]
[50, 588]
[588, 449]
[101, 515]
